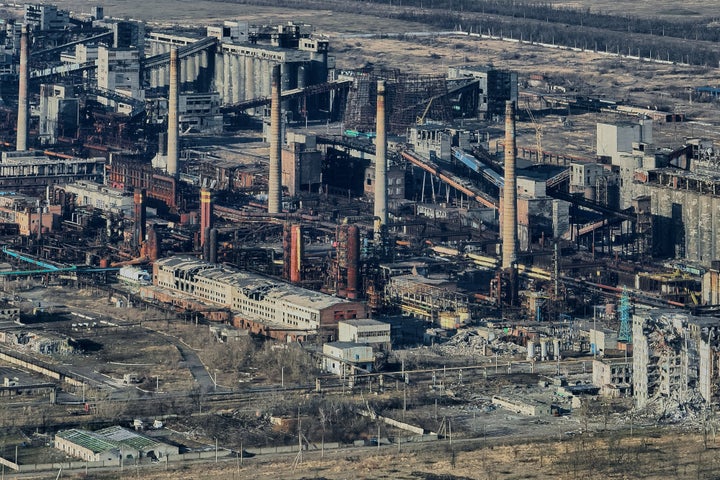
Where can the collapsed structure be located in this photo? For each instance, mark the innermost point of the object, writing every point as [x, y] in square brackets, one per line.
[675, 359]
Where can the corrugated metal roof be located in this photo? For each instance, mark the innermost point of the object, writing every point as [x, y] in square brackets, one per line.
[89, 440]
[127, 437]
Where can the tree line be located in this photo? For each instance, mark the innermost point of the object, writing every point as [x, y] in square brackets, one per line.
[681, 41]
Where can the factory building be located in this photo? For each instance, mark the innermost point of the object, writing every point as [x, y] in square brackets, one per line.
[118, 70]
[200, 112]
[603, 339]
[45, 17]
[675, 358]
[261, 305]
[596, 182]
[365, 331]
[128, 172]
[343, 358]
[428, 299]
[682, 206]
[613, 376]
[25, 212]
[301, 164]
[539, 215]
[495, 87]
[30, 172]
[96, 195]
[627, 146]
[238, 67]
[437, 141]
[59, 113]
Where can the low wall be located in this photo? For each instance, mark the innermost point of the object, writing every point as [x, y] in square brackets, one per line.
[36, 467]
[36, 366]
[181, 457]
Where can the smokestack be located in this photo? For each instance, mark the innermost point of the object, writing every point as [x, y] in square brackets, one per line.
[274, 180]
[509, 226]
[380, 161]
[353, 261]
[139, 226]
[206, 246]
[287, 250]
[153, 244]
[172, 141]
[22, 120]
[212, 258]
[296, 253]
[205, 214]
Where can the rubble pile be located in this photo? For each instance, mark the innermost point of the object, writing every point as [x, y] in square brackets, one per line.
[678, 407]
[468, 342]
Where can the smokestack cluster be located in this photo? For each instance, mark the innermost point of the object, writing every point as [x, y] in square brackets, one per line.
[380, 161]
[22, 120]
[274, 179]
[509, 224]
[173, 100]
[139, 226]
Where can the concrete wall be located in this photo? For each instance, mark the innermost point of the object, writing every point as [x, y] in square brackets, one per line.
[685, 224]
[36, 367]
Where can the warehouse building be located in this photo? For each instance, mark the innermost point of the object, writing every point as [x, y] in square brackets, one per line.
[111, 443]
[263, 306]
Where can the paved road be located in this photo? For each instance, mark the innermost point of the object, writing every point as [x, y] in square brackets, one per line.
[196, 367]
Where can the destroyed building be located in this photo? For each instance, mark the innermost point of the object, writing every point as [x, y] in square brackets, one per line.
[675, 358]
[262, 306]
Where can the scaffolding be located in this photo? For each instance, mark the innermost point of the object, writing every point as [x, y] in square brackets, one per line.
[408, 98]
[423, 300]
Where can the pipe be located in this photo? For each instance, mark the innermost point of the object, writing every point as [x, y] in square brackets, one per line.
[509, 224]
[173, 100]
[22, 120]
[274, 180]
[381, 218]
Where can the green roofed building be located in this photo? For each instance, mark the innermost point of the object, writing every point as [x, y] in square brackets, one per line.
[110, 444]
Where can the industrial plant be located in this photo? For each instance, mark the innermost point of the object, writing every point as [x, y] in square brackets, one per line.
[201, 221]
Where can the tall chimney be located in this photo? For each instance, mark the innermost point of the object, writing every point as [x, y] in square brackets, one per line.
[139, 225]
[274, 180]
[205, 214]
[22, 120]
[213, 249]
[153, 244]
[380, 161]
[509, 224]
[296, 253]
[353, 262]
[172, 140]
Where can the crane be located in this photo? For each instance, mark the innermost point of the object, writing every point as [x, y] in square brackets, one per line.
[538, 133]
[421, 118]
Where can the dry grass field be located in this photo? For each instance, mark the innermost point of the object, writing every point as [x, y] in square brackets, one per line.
[681, 456]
